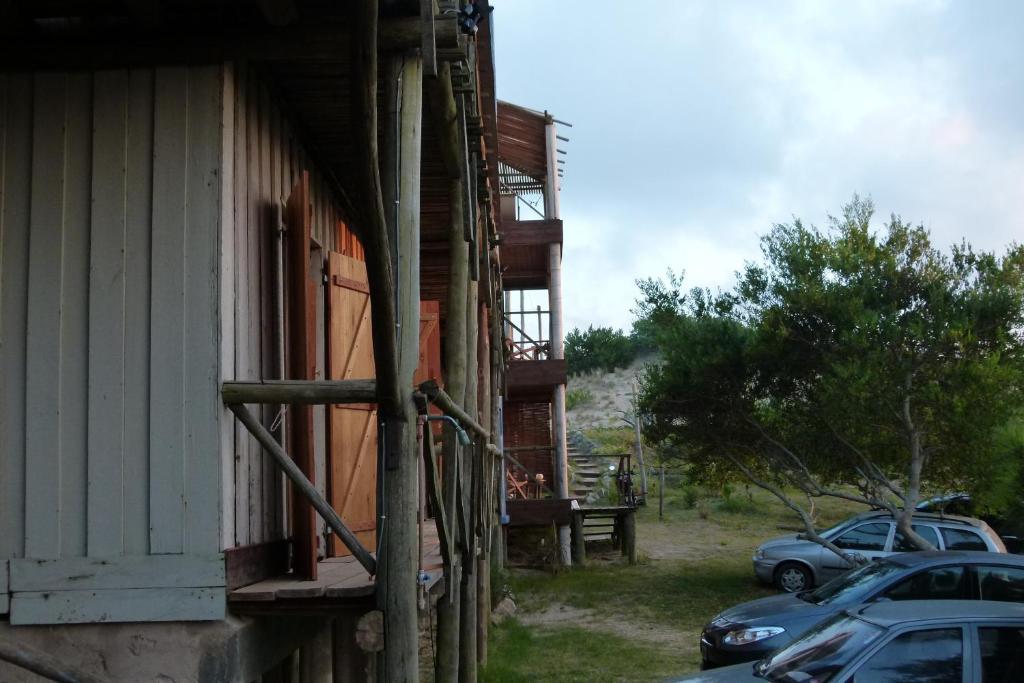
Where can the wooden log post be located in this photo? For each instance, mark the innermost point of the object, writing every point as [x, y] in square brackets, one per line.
[398, 555]
[579, 542]
[446, 664]
[470, 484]
[485, 513]
[627, 528]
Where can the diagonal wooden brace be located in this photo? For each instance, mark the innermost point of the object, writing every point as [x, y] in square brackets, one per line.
[305, 487]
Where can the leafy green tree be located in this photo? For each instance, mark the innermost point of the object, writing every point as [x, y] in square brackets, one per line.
[597, 348]
[850, 363]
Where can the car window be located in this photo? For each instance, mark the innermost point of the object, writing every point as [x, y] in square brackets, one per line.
[934, 656]
[1002, 654]
[962, 539]
[1000, 583]
[902, 545]
[865, 537]
[941, 583]
[853, 585]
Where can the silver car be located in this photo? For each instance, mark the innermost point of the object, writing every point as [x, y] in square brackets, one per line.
[793, 564]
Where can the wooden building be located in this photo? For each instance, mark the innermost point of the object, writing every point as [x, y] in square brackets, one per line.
[253, 265]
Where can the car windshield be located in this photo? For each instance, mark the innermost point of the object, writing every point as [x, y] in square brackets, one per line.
[854, 585]
[820, 653]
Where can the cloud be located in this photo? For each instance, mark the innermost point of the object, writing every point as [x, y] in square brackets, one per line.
[698, 125]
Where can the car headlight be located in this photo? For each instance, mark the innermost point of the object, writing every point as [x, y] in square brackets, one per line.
[759, 554]
[745, 636]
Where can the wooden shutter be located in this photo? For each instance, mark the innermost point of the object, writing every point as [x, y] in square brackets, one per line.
[301, 365]
[352, 462]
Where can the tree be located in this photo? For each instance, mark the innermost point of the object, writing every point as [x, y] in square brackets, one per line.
[849, 363]
[597, 348]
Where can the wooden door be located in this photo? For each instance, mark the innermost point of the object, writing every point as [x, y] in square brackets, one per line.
[352, 465]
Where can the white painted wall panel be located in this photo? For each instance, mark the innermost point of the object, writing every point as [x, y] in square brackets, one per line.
[110, 227]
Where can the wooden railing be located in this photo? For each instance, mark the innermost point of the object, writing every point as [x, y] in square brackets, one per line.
[295, 392]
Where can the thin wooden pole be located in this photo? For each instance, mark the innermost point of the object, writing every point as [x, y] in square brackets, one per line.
[470, 483]
[446, 665]
[638, 444]
[368, 201]
[304, 485]
[484, 512]
[398, 551]
[661, 493]
[448, 406]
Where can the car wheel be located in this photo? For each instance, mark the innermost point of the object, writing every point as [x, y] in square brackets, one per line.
[792, 577]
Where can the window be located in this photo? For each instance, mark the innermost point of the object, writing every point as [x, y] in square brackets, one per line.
[935, 656]
[865, 537]
[902, 545]
[941, 583]
[1002, 654]
[1000, 583]
[962, 539]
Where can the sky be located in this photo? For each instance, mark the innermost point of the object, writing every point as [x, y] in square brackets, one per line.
[697, 125]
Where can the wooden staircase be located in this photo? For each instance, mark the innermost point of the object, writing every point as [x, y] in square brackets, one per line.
[586, 472]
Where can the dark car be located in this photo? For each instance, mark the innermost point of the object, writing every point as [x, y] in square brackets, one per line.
[916, 641]
[751, 630]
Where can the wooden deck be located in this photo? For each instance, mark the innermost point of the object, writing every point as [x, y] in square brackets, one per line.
[342, 583]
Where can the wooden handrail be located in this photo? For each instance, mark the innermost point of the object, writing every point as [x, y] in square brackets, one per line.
[300, 392]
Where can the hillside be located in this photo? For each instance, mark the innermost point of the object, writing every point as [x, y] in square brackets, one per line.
[598, 399]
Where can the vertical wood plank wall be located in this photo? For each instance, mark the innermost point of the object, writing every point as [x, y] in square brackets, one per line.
[267, 158]
[110, 198]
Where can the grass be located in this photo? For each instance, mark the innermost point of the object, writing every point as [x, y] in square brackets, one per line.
[566, 654]
[613, 622]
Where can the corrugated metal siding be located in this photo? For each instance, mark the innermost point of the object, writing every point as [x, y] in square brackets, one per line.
[267, 160]
[109, 227]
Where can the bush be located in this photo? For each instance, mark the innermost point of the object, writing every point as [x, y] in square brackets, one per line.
[598, 348]
[578, 397]
[737, 505]
[691, 494]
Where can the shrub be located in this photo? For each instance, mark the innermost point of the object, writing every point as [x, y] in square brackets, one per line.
[691, 494]
[737, 505]
[578, 397]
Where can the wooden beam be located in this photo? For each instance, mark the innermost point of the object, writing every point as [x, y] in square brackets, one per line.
[428, 37]
[305, 487]
[301, 392]
[534, 374]
[531, 233]
[330, 43]
[438, 397]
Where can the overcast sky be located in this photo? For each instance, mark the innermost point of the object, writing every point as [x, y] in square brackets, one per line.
[699, 124]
